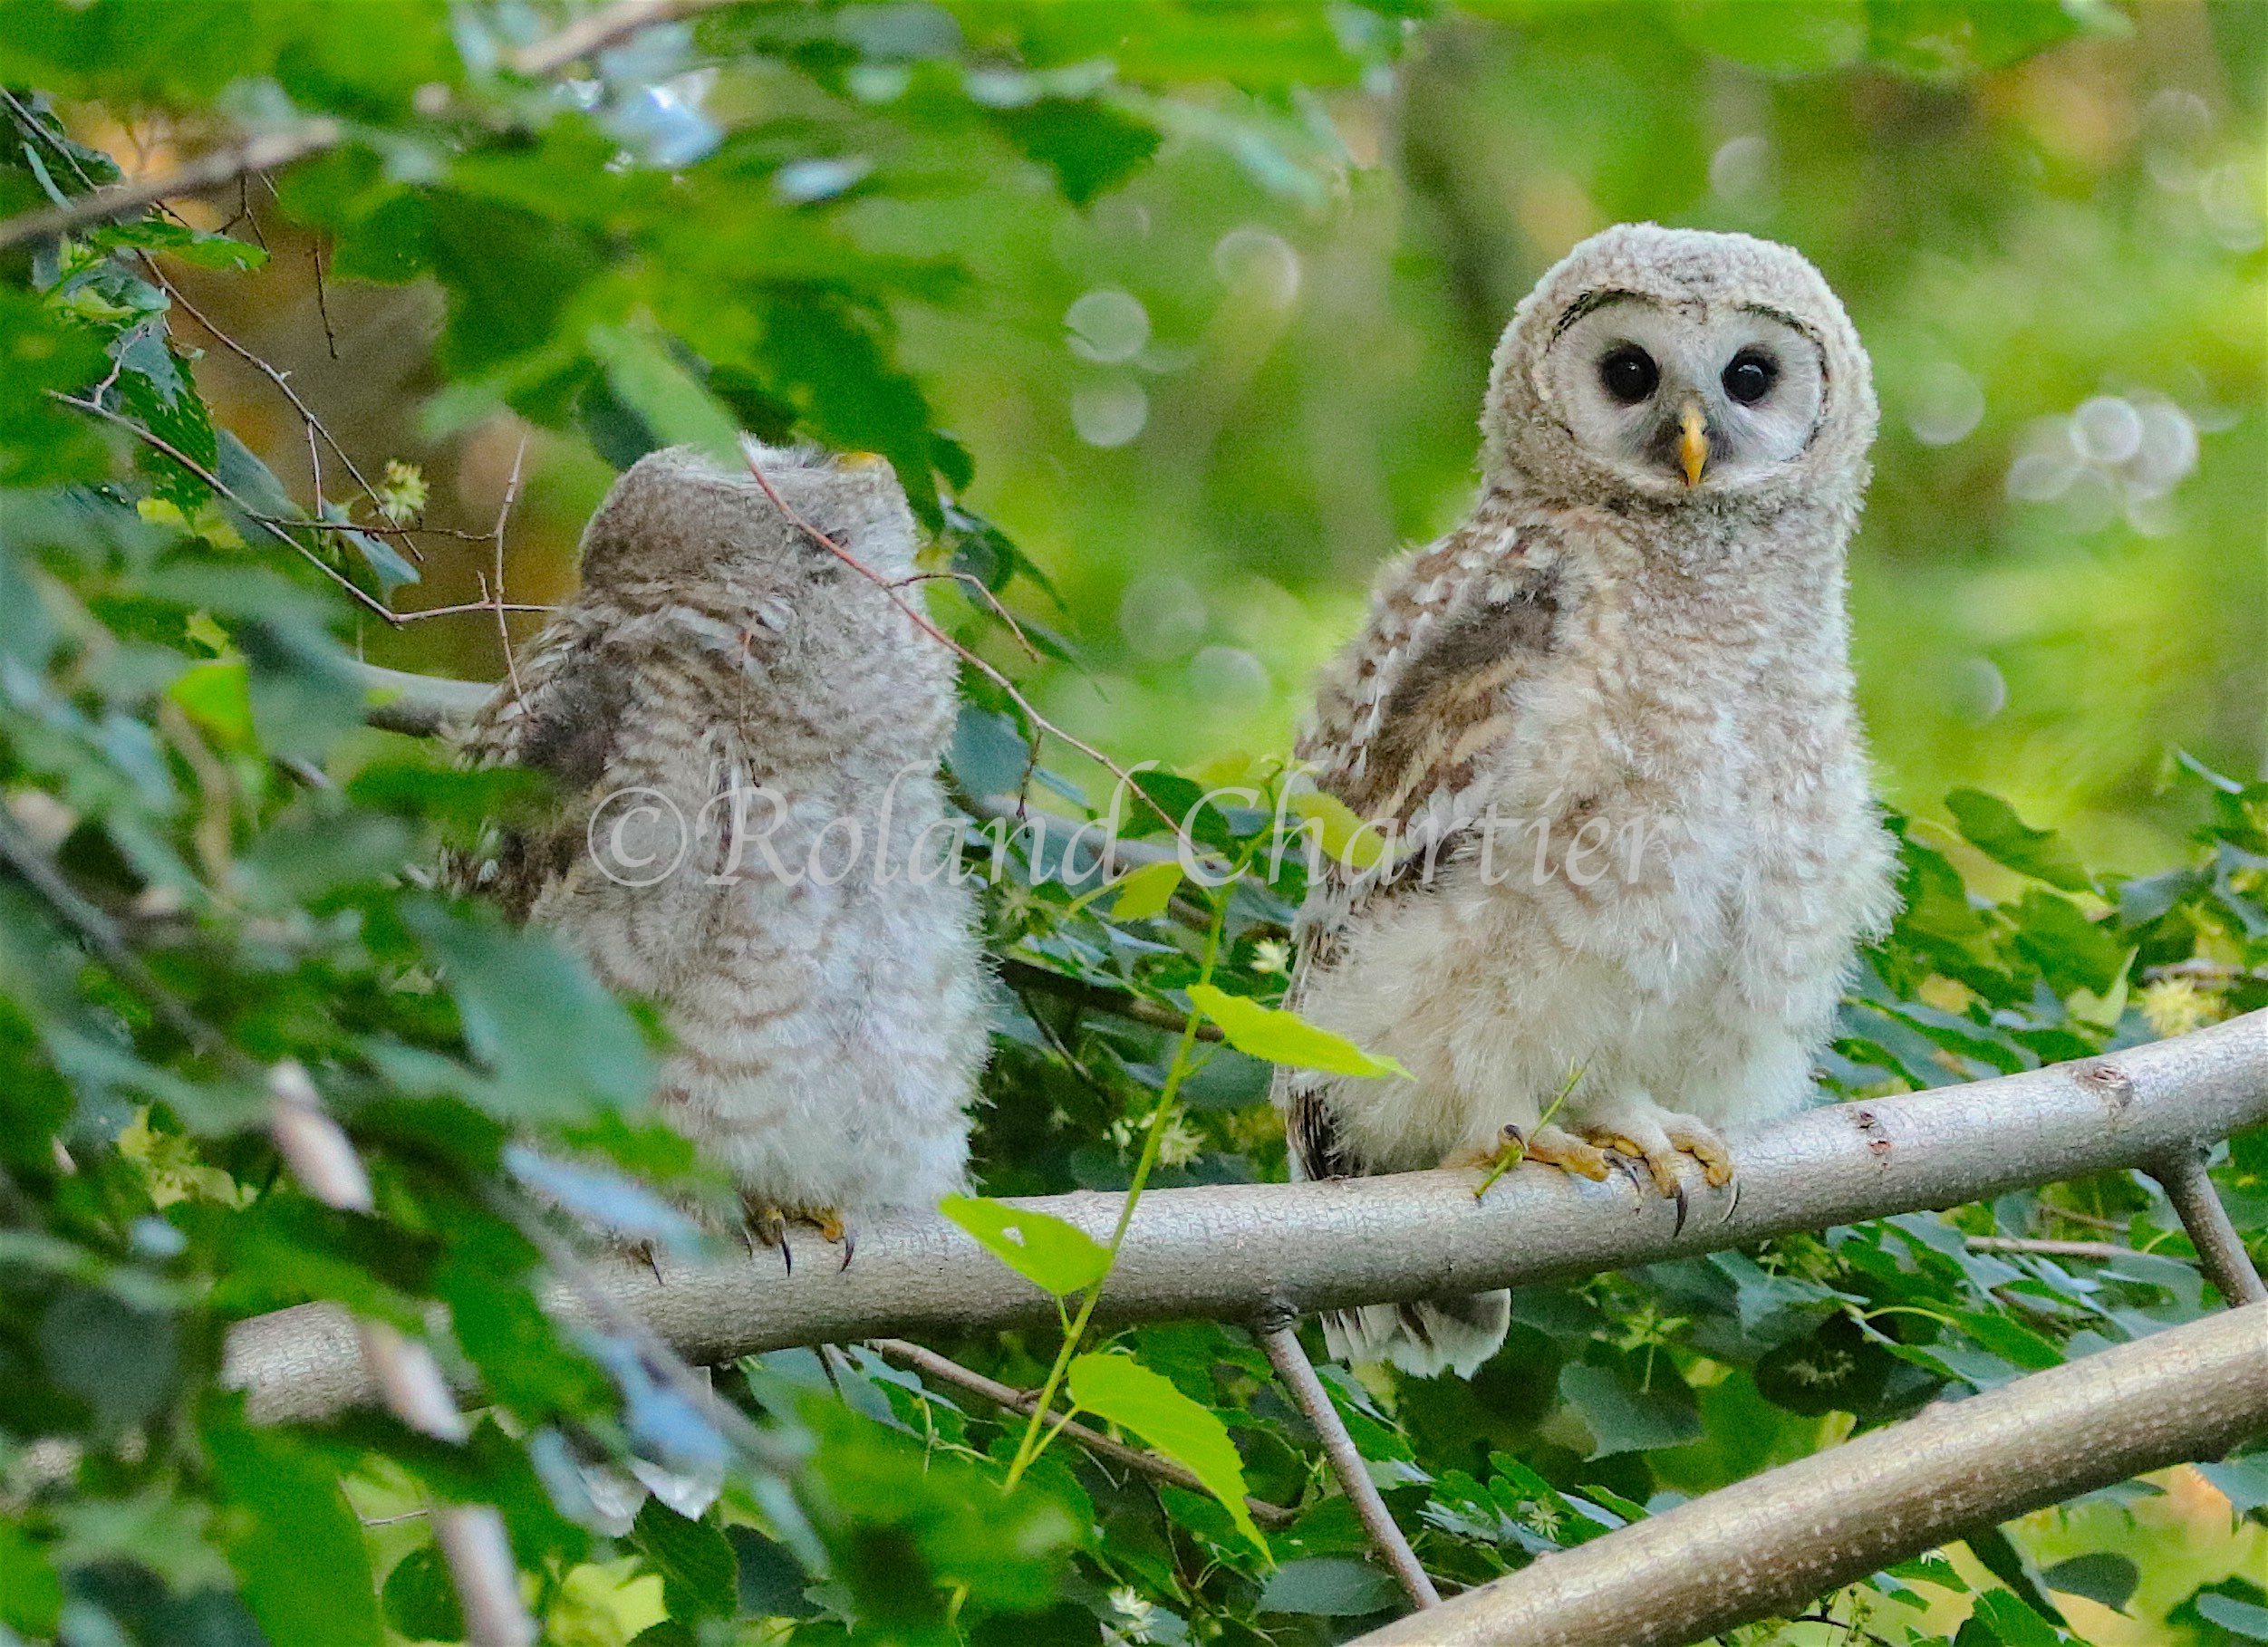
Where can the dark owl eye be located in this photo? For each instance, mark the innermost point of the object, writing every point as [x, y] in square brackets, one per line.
[1629, 374]
[1749, 379]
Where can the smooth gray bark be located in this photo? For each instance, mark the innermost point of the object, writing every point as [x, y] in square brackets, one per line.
[1233, 1252]
[1761, 1549]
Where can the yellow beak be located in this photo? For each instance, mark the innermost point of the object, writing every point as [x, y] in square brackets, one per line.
[1693, 443]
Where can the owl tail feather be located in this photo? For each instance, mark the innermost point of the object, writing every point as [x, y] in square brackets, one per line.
[1433, 1335]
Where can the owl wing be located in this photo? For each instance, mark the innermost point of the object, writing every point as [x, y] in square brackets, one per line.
[564, 718]
[1406, 722]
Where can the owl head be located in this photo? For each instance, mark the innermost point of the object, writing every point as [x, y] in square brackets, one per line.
[679, 517]
[1683, 369]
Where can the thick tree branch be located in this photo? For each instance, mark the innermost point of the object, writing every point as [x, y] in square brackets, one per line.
[1230, 1252]
[1763, 1548]
[201, 176]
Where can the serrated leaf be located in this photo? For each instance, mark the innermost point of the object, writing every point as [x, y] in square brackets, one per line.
[696, 1565]
[1622, 1419]
[1283, 1037]
[1119, 1388]
[2240, 1617]
[1330, 1587]
[1056, 1257]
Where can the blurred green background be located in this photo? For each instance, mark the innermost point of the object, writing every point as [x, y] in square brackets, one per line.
[1212, 401]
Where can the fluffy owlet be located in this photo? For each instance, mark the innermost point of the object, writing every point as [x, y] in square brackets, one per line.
[746, 732]
[1607, 723]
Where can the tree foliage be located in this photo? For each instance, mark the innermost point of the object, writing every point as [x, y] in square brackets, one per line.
[211, 867]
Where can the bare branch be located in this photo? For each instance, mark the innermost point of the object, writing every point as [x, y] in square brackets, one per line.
[588, 36]
[1228, 1252]
[2050, 1250]
[1280, 1338]
[422, 706]
[1763, 1547]
[2220, 1249]
[201, 176]
[166, 449]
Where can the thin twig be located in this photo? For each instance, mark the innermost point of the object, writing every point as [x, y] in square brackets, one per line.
[504, 514]
[2220, 1248]
[588, 36]
[1279, 1337]
[282, 380]
[1096, 998]
[922, 622]
[2050, 1250]
[931, 1365]
[323, 298]
[198, 177]
[460, 610]
[190, 463]
[1008, 619]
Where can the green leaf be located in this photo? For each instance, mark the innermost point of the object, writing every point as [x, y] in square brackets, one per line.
[1789, 37]
[123, 1361]
[296, 1547]
[419, 1600]
[2100, 1575]
[1120, 1389]
[1283, 1037]
[2012, 1567]
[2010, 1340]
[2013, 1624]
[2240, 1617]
[1146, 892]
[1330, 1586]
[1345, 837]
[696, 1565]
[1622, 1419]
[554, 1040]
[1090, 146]
[1055, 1255]
[40, 440]
[1991, 825]
[771, 1581]
[31, 1596]
[677, 407]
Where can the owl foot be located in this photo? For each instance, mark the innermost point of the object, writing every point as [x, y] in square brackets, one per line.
[1655, 1141]
[1548, 1145]
[767, 1222]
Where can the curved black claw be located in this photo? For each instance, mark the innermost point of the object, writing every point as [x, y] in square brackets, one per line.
[850, 1245]
[643, 1252]
[1631, 1169]
[1679, 1228]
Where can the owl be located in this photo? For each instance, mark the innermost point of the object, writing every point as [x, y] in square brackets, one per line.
[745, 730]
[1605, 731]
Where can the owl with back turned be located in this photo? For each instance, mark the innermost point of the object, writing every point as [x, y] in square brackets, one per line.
[1606, 729]
[744, 730]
